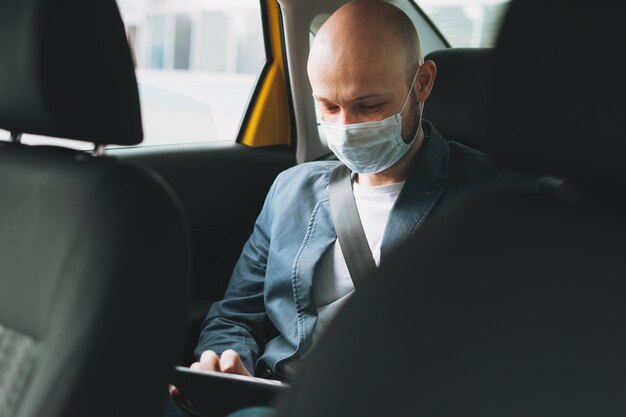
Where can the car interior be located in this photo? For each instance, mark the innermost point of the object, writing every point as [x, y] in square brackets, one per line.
[510, 304]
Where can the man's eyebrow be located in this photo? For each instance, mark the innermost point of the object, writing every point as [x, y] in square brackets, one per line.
[364, 97]
[382, 95]
[318, 98]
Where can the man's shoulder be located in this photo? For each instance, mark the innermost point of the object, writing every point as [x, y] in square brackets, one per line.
[471, 167]
[310, 169]
[459, 160]
[460, 151]
[313, 176]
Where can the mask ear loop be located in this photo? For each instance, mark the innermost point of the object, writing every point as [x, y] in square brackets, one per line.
[406, 100]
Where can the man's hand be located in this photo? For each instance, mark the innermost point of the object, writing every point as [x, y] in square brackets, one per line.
[228, 363]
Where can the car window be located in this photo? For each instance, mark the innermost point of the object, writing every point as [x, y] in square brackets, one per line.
[466, 23]
[197, 64]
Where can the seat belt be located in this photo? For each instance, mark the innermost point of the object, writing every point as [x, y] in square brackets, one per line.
[352, 240]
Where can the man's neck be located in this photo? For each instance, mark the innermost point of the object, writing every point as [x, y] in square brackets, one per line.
[397, 172]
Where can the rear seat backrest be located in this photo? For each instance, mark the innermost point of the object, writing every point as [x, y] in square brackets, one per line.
[457, 103]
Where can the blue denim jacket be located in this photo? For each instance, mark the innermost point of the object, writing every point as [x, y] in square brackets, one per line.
[268, 312]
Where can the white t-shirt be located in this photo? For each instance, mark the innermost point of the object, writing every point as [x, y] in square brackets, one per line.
[332, 285]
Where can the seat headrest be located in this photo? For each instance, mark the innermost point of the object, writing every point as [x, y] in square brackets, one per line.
[456, 105]
[67, 71]
[558, 97]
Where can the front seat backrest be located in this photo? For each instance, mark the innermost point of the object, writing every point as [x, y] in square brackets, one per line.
[94, 254]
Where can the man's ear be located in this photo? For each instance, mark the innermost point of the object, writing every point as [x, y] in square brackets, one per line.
[425, 80]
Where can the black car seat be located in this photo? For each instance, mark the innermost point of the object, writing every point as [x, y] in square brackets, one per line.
[94, 254]
[513, 304]
[456, 105]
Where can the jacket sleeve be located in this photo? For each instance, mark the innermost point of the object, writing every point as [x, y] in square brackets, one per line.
[240, 321]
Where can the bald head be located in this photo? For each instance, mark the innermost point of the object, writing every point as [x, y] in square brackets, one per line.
[363, 67]
[367, 31]
[363, 62]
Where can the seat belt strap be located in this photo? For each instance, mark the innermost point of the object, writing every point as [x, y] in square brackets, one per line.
[350, 234]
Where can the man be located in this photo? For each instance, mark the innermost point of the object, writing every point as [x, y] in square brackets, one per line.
[370, 84]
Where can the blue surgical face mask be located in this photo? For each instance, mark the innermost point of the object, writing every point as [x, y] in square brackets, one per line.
[370, 147]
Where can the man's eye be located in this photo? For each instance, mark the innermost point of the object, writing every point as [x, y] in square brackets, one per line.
[331, 109]
[372, 107]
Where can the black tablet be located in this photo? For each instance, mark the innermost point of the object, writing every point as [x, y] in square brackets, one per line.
[215, 394]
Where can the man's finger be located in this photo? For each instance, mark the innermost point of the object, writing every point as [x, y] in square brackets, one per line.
[209, 361]
[231, 363]
[173, 390]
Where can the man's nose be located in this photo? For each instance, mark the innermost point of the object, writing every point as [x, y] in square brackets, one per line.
[347, 118]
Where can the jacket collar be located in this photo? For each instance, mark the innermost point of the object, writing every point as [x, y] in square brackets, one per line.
[421, 190]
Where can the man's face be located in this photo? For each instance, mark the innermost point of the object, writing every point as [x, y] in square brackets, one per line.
[356, 83]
